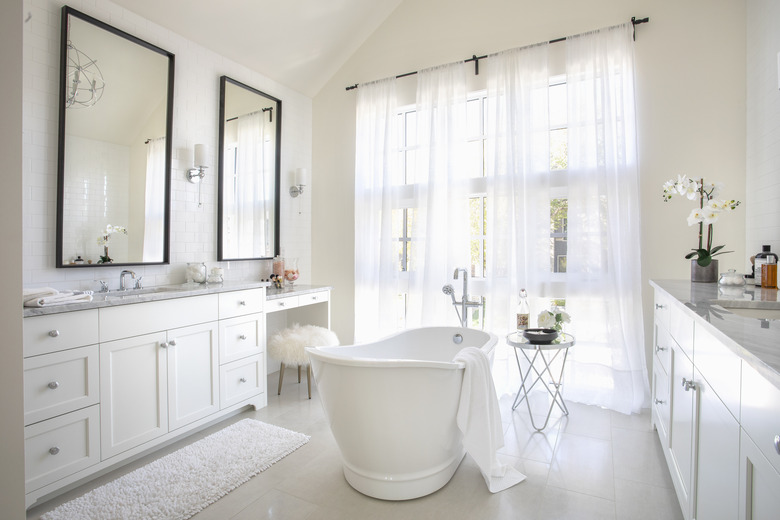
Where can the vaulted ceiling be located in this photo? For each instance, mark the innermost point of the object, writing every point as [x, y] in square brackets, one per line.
[299, 43]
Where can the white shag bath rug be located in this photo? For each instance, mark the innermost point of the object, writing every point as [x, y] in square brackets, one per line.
[178, 485]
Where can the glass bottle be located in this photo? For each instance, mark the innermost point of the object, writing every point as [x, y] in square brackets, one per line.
[769, 273]
[760, 260]
[523, 311]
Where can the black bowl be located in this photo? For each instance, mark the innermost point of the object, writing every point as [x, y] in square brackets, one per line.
[540, 336]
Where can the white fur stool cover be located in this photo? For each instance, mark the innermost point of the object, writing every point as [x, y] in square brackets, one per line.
[288, 346]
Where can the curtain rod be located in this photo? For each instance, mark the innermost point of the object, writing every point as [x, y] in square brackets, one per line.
[634, 21]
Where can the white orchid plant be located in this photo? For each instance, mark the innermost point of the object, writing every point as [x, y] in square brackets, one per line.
[553, 319]
[709, 210]
[105, 238]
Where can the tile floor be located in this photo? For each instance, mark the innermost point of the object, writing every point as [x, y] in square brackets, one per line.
[593, 464]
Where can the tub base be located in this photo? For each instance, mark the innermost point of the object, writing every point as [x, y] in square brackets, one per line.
[403, 487]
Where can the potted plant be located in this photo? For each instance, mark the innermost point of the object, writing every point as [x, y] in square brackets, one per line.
[704, 268]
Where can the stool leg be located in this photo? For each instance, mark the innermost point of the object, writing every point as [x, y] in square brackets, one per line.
[299, 373]
[308, 378]
[281, 376]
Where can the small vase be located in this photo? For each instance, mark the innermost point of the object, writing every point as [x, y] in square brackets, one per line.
[707, 274]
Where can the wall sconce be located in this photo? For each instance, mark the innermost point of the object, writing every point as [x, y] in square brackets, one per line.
[299, 182]
[196, 174]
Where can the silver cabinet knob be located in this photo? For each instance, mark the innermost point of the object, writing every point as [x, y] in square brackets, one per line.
[54, 450]
[777, 443]
[242, 303]
[281, 304]
[53, 385]
[242, 336]
[660, 306]
[658, 401]
[688, 385]
[659, 348]
[172, 343]
[54, 333]
[242, 380]
[164, 344]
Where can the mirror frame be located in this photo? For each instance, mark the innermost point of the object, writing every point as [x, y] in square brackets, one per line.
[69, 11]
[223, 81]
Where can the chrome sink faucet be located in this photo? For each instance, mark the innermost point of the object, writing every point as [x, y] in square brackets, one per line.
[122, 285]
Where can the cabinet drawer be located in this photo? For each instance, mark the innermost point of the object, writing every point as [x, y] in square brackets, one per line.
[61, 446]
[280, 304]
[53, 332]
[662, 309]
[663, 346]
[241, 337]
[241, 380]
[60, 382]
[681, 329]
[126, 321]
[312, 298]
[240, 303]
[761, 413]
[720, 367]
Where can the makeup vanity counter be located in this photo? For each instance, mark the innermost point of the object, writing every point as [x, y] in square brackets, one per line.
[110, 380]
[716, 397]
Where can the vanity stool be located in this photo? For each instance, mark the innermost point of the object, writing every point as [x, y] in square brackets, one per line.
[288, 346]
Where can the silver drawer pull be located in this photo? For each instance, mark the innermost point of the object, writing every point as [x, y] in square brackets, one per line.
[688, 385]
[315, 298]
[242, 380]
[658, 401]
[242, 336]
[242, 303]
[281, 304]
[53, 385]
[777, 443]
[54, 450]
[54, 333]
[660, 306]
[660, 349]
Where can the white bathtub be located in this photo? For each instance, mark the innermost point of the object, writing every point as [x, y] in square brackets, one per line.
[392, 405]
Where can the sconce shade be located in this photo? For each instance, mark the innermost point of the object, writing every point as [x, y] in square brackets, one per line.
[300, 177]
[200, 155]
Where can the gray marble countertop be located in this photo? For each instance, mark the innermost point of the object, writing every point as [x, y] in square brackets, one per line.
[754, 340]
[167, 292]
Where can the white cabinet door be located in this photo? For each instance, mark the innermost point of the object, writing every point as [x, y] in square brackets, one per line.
[717, 457]
[193, 374]
[682, 428]
[661, 406]
[133, 392]
[759, 483]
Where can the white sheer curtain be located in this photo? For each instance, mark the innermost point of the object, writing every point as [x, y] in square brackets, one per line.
[154, 200]
[250, 198]
[376, 155]
[603, 281]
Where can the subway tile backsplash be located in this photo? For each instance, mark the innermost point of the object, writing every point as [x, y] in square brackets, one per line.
[196, 108]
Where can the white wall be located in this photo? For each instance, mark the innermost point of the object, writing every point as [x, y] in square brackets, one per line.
[11, 402]
[691, 109]
[196, 112]
[763, 130]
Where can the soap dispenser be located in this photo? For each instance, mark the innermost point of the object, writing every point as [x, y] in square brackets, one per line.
[769, 273]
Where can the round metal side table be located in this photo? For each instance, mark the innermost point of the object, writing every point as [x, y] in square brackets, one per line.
[540, 357]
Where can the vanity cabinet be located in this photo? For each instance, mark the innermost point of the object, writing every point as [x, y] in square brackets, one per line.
[702, 441]
[106, 384]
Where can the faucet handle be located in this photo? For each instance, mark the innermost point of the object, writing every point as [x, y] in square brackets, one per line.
[138, 282]
[103, 285]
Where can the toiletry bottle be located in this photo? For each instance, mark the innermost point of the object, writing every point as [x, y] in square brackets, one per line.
[761, 259]
[769, 273]
[523, 311]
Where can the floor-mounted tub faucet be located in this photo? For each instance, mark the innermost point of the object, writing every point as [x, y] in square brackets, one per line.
[465, 303]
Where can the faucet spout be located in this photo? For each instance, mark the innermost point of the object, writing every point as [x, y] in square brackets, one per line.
[122, 285]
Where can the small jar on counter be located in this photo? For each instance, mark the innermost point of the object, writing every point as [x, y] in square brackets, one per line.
[196, 272]
[731, 278]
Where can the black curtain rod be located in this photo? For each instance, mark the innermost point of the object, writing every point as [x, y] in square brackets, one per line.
[634, 21]
[269, 109]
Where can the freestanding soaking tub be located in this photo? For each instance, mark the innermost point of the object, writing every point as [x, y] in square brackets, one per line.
[392, 406]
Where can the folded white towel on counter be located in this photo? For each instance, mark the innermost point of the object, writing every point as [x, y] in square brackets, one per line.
[60, 298]
[479, 419]
[38, 292]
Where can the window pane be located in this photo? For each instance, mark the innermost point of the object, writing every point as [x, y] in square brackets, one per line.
[558, 105]
[559, 149]
[474, 118]
[410, 167]
[559, 209]
[411, 129]
[474, 158]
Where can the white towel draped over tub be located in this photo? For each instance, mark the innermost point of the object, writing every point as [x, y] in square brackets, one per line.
[479, 419]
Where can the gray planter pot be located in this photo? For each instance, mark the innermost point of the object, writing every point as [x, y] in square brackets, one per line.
[707, 274]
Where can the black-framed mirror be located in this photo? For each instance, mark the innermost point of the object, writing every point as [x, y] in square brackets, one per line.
[250, 129]
[114, 155]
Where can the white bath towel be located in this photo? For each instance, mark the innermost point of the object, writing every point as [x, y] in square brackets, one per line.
[479, 419]
[61, 298]
[38, 292]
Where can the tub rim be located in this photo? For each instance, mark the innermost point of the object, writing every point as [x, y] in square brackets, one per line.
[331, 355]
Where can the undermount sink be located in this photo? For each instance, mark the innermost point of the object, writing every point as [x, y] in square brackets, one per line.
[762, 310]
[133, 293]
